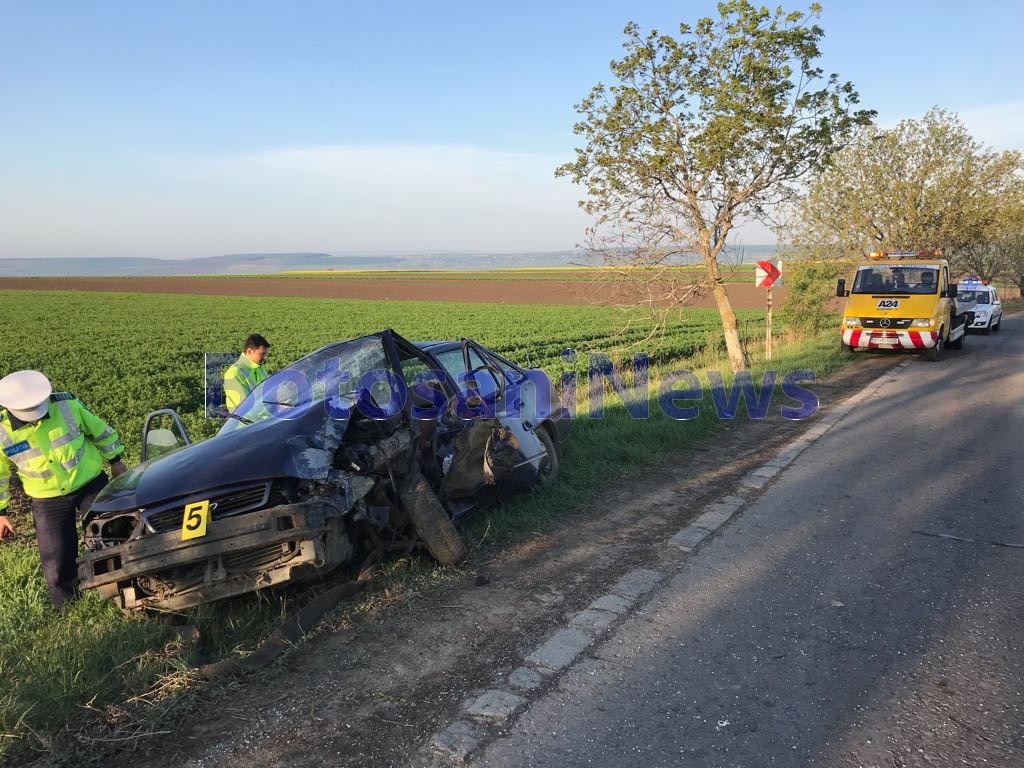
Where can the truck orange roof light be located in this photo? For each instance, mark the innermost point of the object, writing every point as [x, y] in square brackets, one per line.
[900, 255]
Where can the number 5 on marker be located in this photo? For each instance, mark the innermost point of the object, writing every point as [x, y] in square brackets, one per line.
[193, 524]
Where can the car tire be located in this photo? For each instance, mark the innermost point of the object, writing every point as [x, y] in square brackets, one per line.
[987, 329]
[934, 354]
[549, 470]
[997, 325]
[431, 521]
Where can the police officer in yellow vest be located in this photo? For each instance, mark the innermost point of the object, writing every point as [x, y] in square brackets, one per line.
[245, 373]
[57, 446]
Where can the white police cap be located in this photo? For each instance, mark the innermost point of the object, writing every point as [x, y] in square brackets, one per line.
[26, 394]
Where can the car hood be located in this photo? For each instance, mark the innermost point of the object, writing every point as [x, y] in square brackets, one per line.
[303, 447]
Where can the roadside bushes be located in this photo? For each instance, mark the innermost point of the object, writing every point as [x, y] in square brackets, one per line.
[811, 305]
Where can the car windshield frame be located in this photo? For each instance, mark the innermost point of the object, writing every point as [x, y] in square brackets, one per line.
[334, 371]
[890, 277]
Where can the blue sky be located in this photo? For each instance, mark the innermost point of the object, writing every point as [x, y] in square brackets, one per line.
[196, 128]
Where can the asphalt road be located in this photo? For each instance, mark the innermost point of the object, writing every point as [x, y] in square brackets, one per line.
[820, 627]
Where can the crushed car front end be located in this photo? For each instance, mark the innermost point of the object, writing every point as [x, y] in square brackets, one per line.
[255, 538]
[276, 495]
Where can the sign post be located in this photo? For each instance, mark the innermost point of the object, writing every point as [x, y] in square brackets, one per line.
[764, 277]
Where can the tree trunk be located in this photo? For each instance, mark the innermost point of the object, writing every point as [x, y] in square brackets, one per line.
[731, 329]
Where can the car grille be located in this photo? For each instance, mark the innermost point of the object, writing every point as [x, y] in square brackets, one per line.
[259, 557]
[894, 322]
[228, 501]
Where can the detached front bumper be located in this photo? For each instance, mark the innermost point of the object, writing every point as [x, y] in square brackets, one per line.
[238, 554]
[890, 339]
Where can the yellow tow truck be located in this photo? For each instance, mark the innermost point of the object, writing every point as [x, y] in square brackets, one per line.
[904, 300]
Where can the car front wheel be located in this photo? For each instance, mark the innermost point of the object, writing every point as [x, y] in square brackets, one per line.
[934, 354]
[430, 520]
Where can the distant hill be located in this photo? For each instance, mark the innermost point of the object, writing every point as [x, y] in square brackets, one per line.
[269, 263]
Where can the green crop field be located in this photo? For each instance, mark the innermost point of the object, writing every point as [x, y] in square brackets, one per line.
[126, 354]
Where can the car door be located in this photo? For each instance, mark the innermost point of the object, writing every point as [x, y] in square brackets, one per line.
[512, 403]
[946, 303]
[430, 389]
[997, 306]
[431, 394]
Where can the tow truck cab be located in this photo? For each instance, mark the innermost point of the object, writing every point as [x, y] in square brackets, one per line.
[904, 301]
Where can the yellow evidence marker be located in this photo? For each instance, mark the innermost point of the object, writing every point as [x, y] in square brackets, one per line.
[197, 515]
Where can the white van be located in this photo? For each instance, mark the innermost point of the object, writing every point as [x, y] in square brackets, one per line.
[988, 313]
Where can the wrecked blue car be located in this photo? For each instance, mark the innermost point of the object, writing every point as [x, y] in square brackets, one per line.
[363, 448]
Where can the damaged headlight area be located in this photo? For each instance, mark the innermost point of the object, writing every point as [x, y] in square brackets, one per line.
[258, 535]
[143, 568]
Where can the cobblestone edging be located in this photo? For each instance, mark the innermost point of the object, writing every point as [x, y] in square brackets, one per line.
[510, 696]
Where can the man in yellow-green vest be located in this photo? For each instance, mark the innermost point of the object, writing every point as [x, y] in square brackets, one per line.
[245, 373]
[57, 446]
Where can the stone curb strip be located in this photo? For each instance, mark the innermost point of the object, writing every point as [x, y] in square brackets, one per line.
[500, 704]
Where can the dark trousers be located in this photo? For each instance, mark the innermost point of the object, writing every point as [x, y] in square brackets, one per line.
[57, 535]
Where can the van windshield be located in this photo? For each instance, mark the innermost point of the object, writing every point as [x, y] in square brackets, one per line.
[897, 278]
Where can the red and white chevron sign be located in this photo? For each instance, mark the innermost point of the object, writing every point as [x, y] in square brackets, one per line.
[766, 274]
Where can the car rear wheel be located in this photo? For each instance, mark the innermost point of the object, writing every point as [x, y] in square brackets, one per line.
[552, 463]
[431, 521]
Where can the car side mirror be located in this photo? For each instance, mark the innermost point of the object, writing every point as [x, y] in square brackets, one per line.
[841, 288]
[951, 291]
[160, 441]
